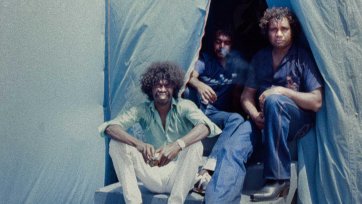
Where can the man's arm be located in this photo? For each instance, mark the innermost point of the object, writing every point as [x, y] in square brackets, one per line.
[248, 104]
[306, 100]
[117, 133]
[206, 92]
[196, 134]
[169, 152]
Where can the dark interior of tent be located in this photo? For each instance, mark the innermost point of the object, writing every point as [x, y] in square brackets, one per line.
[240, 16]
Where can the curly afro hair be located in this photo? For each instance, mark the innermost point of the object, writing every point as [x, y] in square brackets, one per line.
[277, 13]
[162, 71]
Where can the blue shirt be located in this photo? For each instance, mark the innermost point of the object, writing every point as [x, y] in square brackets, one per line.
[183, 116]
[222, 79]
[296, 71]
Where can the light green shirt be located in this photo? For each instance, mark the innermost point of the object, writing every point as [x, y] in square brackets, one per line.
[182, 117]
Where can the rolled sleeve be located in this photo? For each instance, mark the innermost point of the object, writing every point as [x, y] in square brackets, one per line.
[200, 67]
[214, 129]
[124, 119]
[311, 75]
[196, 117]
[102, 128]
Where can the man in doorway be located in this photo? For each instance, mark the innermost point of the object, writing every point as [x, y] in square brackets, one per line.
[281, 96]
[216, 78]
[168, 159]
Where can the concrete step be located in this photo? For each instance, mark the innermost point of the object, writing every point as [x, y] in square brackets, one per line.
[253, 181]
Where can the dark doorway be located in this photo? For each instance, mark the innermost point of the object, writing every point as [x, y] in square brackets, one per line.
[240, 16]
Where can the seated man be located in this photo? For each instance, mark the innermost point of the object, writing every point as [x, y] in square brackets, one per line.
[216, 77]
[281, 96]
[168, 159]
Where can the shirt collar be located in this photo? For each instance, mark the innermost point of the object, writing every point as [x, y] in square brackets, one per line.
[290, 54]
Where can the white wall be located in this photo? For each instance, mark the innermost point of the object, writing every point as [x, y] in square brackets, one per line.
[51, 93]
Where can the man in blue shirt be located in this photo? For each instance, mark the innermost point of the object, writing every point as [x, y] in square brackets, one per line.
[281, 96]
[216, 78]
[168, 159]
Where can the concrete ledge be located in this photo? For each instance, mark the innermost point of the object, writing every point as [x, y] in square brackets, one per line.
[113, 194]
[253, 181]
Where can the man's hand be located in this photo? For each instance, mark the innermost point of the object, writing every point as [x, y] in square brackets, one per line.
[207, 94]
[268, 92]
[147, 150]
[306, 100]
[258, 120]
[168, 153]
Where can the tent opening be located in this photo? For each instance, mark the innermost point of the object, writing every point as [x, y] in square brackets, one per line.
[240, 16]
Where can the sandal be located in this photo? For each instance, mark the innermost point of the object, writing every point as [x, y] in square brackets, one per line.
[202, 180]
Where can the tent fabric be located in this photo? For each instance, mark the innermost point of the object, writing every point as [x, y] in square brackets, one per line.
[330, 156]
[139, 33]
[51, 90]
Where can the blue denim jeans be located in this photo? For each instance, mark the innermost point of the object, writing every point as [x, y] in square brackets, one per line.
[284, 121]
[232, 149]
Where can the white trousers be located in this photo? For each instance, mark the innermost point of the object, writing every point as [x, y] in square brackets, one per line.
[176, 178]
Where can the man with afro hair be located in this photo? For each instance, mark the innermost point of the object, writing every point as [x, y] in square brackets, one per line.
[168, 158]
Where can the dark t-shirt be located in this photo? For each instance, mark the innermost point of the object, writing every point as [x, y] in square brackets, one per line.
[223, 80]
[296, 71]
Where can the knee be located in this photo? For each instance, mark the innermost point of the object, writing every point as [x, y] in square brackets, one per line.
[273, 99]
[273, 102]
[235, 118]
[116, 147]
[195, 149]
[238, 152]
